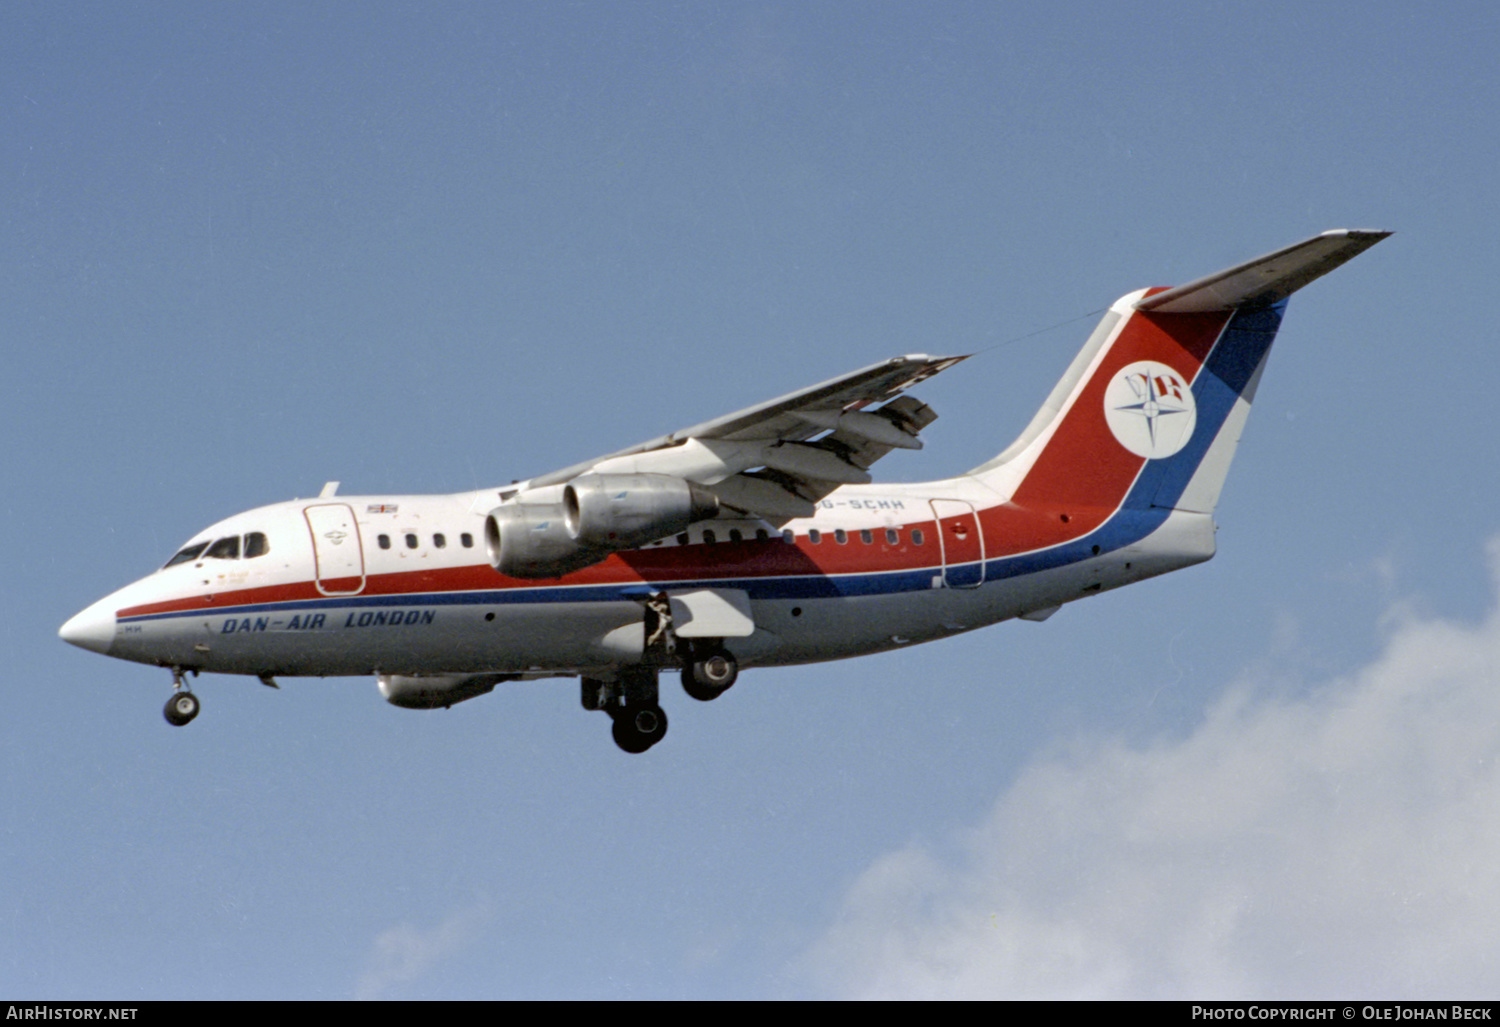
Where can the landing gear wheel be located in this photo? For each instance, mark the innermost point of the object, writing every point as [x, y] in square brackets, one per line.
[638, 728]
[709, 673]
[181, 708]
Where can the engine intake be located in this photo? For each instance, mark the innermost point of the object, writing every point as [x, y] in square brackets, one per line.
[530, 540]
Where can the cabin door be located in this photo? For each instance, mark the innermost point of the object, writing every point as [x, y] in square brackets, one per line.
[338, 556]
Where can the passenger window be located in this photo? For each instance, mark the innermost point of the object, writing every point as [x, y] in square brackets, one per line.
[709, 536]
[224, 549]
[467, 540]
[866, 537]
[384, 541]
[440, 541]
[735, 535]
[815, 537]
[187, 555]
[682, 539]
[256, 545]
[411, 540]
[891, 536]
[916, 536]
[762, 535]
[841, 536]
[789, 536]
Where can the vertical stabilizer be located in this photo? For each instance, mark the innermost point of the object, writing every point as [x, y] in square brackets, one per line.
[1149, 413]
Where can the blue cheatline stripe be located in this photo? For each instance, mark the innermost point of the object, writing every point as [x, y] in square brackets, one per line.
[791, 587]
[1240, 349]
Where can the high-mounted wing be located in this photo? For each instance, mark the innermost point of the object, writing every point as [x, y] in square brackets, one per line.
[775, 460]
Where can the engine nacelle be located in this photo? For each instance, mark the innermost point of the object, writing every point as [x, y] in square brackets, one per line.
[431, 691]
[599, 514]
[618, 511]
[530, 540]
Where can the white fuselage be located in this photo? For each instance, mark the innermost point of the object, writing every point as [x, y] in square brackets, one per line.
[402, 585]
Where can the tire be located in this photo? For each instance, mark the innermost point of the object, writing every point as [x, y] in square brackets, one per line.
[709, 673]
[181, 709]
[638, 729]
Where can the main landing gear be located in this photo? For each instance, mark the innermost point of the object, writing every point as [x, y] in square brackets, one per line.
[708, 672]
[633, 703]
[183, 706]
[636, 730]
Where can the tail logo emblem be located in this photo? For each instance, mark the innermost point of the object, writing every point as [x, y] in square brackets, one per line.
[1150, 409]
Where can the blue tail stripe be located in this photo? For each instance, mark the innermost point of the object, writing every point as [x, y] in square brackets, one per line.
[1241, 348]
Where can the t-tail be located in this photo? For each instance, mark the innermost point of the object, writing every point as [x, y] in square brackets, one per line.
[1145, 422]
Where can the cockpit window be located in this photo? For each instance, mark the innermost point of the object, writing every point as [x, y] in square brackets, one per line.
[189, 554]
[256, 544]
[224, 549]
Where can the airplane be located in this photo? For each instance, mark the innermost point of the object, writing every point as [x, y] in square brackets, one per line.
[752, 540]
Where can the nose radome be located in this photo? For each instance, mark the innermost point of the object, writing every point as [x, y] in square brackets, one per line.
[93, 629]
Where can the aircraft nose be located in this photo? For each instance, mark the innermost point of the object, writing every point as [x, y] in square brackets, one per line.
[93, 629]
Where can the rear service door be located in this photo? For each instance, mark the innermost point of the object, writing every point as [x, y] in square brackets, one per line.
[962, 542]
[338, 556]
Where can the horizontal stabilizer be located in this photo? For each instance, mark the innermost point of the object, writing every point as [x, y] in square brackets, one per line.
[1267, 280]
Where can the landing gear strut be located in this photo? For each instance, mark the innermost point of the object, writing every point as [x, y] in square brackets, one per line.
[631, 702]
[183, 706]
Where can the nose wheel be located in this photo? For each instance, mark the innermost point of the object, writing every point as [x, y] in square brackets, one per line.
[181, 709]
[183, 706]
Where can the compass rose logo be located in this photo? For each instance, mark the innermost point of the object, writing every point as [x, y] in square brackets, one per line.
[1150, 409]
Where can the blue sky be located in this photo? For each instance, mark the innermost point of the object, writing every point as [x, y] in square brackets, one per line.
[437, 247]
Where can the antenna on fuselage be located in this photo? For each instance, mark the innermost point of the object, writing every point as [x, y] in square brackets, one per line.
[330, 489]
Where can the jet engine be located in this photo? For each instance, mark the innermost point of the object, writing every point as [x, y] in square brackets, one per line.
[529, 540]
[599, 514]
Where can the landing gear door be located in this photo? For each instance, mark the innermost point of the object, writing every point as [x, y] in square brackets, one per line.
[962, 541]
[712, 613]
[338, 555]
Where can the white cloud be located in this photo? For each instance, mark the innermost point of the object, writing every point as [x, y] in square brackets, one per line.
[405, 953]
[1343, 842]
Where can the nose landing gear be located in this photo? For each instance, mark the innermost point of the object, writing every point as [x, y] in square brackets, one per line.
[183, 706]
